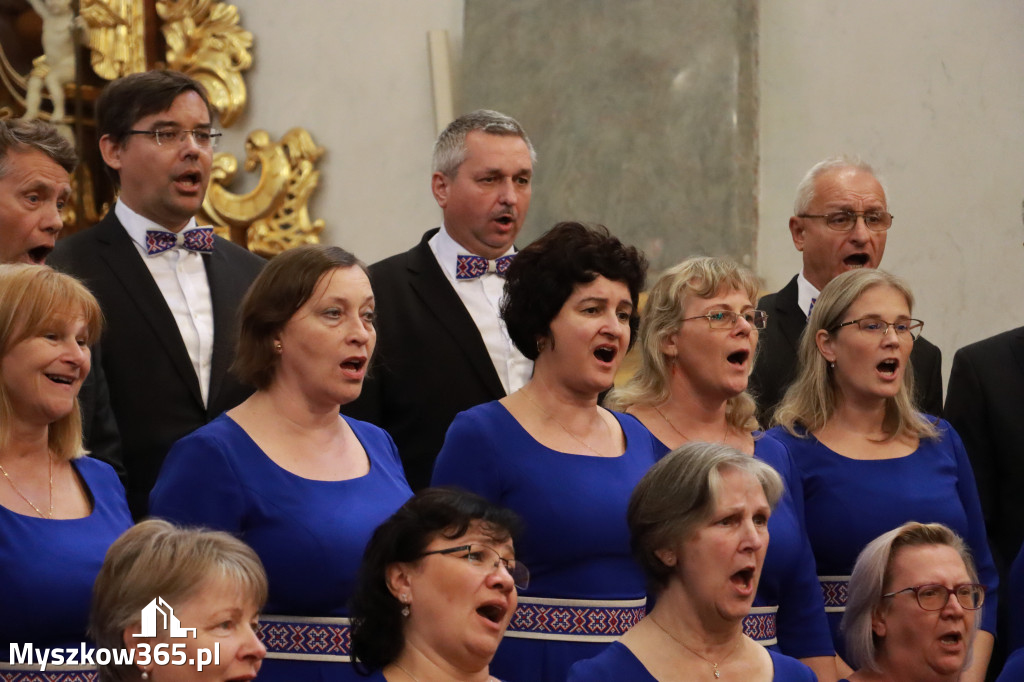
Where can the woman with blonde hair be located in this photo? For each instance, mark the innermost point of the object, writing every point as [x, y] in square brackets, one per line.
[698, 338]
[211, 588]
[867, 459]
[59, 511]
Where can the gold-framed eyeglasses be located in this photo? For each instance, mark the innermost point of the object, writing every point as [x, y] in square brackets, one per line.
[727, 319]
[844, 221]
[934, 597]
[487, 559]
[205, 138]
[876, 325]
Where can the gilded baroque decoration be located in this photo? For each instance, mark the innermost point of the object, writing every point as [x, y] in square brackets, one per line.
[272, 217]
[205, 41]
[117, 35]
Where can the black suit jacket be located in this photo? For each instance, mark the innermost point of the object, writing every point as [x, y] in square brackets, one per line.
[430, 364]
[985, 405]
[154, 390]
[775, 367]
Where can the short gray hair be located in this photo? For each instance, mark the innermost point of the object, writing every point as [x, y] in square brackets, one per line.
[21, 136]
[805, 190]
[450, 148]
[870, 580]
[156, 558]
[680, 492]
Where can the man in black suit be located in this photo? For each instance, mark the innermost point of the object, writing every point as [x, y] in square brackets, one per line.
[36, 163]
[169, 290]
[441, 345]
[840, 222]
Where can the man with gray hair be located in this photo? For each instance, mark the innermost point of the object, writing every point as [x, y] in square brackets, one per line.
[36, 163]
[442, 347]
[840, 222]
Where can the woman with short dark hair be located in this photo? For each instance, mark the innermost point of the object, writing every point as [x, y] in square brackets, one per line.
[303, 485]
[554, 456]
[437, 589]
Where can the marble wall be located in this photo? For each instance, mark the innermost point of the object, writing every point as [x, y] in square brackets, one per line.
[643, 114]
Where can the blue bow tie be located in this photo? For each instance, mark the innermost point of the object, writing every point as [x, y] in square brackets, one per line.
[471, 267]
[199, 239]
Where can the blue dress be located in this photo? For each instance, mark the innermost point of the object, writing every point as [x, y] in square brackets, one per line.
[1013, 669]
[309, 534]
[1016, 603]
[789, 580]
[575, 541]
[48, 566]
[618, 664]
[849, 502]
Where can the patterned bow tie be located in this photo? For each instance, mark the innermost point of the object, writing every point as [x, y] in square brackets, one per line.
[199, 239]
[471, 267]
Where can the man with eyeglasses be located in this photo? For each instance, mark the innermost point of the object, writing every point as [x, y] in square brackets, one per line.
[840, 222]
[169, 289]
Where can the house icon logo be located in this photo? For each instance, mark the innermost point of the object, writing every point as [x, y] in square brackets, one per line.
[158, 608]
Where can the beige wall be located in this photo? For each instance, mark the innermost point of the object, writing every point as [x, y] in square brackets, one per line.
[930, 92]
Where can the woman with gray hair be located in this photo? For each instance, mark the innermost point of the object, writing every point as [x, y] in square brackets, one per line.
[698, 523]
[698, 335]
[867, 459]
[208, 589]
[900, 622]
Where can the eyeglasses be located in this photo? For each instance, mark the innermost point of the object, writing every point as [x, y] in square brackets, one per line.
[727, 319]
[487, 559]
[844, 221]
[204, 138]
[934, 597]
[877, 325]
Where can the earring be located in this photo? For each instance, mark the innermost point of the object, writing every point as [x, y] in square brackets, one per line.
[277, 346]
[145, 674]
[405, 604]
[832, 365]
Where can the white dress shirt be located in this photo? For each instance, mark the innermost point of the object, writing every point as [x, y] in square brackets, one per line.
[482, 296]
[806, 294]
[181, 277]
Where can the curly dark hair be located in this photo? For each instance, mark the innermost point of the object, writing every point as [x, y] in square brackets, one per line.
[377, 635]
[544, 274]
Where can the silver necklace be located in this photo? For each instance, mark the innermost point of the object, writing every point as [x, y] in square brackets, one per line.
[714, 665]
[561, 426]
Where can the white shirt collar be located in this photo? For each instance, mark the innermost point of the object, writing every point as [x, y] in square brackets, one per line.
[805, 293]
[447, 250]
[137, 225]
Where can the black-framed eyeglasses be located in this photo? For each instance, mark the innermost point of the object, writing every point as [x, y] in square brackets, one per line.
[727, 319]
[205, 138]
[934, 597]
[487, 559]
[876, 325]
[844, 221]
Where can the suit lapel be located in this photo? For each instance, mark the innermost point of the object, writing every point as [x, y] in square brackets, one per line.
[791, 320]
[434, 290]
[120, 255]
[1018, 347]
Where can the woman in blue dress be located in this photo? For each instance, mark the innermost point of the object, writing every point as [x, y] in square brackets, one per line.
[913, 606]
[302, 485]
[59, 511]
[698, 524]
[552, 455]
[698, 335]
[867, 459]
[437, 589]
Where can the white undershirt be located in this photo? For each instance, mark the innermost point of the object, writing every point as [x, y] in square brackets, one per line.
[805, 293]
[482, 296]
[181, 277]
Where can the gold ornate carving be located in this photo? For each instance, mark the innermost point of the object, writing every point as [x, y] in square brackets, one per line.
[205, 41]
[273, 216]
[117, 35]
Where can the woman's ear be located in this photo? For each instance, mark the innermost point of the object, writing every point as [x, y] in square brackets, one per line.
[878, 621]
[398, 579]
[824, 341]
[668, 345]
[666, 556]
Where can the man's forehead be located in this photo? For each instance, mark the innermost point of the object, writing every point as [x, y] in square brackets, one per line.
[847, 182]
[34, 167]
[171, 116]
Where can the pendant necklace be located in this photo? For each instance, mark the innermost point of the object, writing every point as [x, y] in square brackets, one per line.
[725, 433]
[22, 495]
[570, 433]
[713, 664]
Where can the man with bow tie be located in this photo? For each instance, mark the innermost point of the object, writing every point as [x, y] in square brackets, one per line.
[169, 289]
[441, 345]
